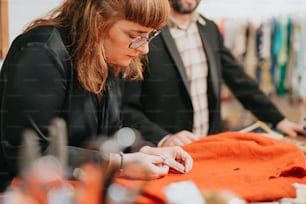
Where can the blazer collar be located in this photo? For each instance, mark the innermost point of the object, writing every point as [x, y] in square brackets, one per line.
[206, 38]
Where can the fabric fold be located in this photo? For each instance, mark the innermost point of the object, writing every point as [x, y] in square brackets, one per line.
[250, 165]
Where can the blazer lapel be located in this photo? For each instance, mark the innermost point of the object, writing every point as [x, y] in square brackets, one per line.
[212, 66]
[170, 43]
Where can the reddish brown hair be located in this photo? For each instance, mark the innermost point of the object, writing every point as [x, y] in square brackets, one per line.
[85, 17]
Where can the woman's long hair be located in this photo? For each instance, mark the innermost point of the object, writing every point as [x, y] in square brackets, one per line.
[89, 21]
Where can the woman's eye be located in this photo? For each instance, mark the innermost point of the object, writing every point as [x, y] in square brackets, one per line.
[135, 38]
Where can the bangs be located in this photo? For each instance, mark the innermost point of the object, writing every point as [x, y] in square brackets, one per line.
[148, 13]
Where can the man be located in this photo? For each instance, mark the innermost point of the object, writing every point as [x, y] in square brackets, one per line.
[179, 99]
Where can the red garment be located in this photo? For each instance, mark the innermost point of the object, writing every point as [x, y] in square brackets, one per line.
[252, 166]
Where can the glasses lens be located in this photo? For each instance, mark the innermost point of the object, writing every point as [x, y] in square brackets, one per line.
[141, 40]
[138, 42]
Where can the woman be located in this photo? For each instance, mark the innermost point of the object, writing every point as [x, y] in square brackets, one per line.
[68, 64]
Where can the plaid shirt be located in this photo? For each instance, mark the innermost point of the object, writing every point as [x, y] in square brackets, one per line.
[190, 47]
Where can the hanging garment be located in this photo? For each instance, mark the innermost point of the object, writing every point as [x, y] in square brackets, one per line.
[264, 57]
[295, 66]
[282, 57]
[250, 57]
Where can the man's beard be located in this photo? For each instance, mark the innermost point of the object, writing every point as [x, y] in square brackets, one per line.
[178, 6]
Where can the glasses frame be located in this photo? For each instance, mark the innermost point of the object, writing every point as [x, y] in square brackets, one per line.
[140, 40]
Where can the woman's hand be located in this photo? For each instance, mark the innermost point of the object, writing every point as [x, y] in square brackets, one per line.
[175, 157]
[152, 162]
[143, 166]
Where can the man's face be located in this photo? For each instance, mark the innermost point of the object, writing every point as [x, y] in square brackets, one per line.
[184, 6]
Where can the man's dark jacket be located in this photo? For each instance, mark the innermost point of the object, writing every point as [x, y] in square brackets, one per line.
[161, 104]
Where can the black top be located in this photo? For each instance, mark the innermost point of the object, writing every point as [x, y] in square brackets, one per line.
[38, 83]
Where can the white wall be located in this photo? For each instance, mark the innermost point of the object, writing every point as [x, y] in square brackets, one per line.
[22, 12]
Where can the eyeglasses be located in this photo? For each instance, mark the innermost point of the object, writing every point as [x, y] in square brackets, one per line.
[140, 40]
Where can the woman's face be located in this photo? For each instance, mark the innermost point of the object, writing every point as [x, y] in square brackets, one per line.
[119, 38]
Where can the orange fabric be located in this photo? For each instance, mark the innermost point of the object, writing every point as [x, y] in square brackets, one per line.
[90, 187]
[252, 166]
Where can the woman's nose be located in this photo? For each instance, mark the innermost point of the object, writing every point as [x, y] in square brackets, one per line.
[144, 49]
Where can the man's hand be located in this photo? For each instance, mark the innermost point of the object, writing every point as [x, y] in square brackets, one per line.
[181, 138]
[290, 128]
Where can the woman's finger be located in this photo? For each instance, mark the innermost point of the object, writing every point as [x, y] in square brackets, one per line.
[185, 157]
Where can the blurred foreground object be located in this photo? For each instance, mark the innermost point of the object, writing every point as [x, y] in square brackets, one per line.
[65, 174]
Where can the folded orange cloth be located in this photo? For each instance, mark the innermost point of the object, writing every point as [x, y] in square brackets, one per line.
[252, 166]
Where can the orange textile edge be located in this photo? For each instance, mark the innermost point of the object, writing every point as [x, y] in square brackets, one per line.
[252, 166]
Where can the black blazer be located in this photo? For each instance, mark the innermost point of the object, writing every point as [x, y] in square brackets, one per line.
[38, 83]
[161, 104]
